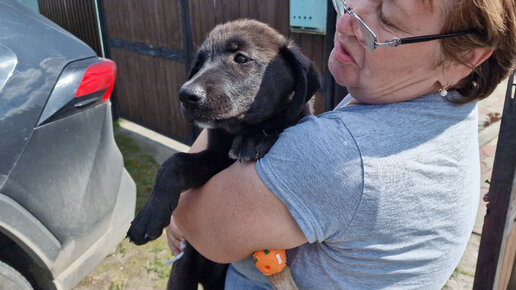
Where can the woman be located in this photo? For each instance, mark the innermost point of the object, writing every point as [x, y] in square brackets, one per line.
[382, 192]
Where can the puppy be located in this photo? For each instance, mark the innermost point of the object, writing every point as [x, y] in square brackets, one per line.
[248, 83]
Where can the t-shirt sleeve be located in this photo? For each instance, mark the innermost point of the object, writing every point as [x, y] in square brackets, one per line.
[315, 169]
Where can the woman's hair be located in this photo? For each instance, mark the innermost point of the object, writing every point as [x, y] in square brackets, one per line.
[495, 24]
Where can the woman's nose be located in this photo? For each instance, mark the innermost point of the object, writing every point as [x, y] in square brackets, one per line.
[344, 25]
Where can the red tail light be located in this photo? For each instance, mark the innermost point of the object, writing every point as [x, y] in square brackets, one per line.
[98, 77]
[83, 84]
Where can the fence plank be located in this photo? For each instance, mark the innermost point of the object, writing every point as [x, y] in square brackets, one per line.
[156, 22]
[152, 100]
[76, 16]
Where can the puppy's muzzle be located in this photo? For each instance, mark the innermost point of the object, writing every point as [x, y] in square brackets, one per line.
[191, 99]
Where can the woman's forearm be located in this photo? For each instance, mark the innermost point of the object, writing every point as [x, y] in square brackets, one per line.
[201, 143]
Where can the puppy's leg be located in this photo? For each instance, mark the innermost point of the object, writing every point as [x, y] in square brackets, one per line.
[215, 277]
[185, 271]
[192, 269]
[180, 172]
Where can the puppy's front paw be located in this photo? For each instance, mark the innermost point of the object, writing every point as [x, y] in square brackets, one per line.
[149, 223]
[246, 148]
[265, 145]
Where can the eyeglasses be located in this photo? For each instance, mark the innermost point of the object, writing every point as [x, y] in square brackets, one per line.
[368, 38]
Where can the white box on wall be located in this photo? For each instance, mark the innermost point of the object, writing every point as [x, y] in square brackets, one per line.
[32, 4]
[308, 16]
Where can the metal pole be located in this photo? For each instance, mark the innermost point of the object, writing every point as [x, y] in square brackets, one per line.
[499, 195]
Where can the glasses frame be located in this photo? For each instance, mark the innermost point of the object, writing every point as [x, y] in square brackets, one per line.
[372, 43]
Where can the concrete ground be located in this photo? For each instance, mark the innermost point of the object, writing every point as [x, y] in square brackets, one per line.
[489, 109]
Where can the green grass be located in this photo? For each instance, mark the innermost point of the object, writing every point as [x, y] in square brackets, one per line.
[142, 168]
[462, 272]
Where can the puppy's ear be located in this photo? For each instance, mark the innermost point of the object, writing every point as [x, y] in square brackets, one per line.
[199, 61]
[306, 76]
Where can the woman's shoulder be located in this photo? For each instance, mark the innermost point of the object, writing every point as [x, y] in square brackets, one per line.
[430, 112]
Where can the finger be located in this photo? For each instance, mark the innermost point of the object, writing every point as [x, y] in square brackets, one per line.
[175, 251]
[174, 233]
[173, 241]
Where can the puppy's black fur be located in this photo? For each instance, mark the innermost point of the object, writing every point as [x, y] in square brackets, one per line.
[247, 85]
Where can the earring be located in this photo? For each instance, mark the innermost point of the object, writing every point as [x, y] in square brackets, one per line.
[444, 91]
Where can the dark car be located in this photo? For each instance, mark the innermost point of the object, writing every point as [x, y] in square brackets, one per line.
[66, 200]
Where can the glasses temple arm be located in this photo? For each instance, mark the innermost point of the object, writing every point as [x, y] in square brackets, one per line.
[423, 38]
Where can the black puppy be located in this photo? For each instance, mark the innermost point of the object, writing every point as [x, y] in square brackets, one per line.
[247, 85]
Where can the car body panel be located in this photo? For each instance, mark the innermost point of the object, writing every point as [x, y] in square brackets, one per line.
[64, 229]
[8, 61]
[26, 90]
[65, 198]
[106, 244]
[46, 193]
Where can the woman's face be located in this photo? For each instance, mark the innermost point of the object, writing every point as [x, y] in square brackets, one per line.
[388, 74]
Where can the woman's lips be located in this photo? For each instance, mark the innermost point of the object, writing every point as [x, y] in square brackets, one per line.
[342, 54]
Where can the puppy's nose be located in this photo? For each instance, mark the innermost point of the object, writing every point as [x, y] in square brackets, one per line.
[190, 97]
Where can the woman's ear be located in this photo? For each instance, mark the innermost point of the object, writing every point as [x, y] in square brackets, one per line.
[454, 71]
[306, 76]
[478, 55]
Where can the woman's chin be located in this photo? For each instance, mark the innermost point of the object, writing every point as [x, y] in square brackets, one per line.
[344, 74]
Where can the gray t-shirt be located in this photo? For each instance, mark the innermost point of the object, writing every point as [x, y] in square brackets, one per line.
[385, 194]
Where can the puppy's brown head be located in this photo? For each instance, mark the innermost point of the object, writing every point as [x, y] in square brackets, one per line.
[245, 72]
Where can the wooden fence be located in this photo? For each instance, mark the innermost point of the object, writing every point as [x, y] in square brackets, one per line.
[153, 43]
[76, 16]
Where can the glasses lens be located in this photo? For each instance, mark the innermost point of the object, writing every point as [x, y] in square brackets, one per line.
[368, 37]
[339, 6]
[365, 37]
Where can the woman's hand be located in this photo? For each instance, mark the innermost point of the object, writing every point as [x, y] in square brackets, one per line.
[176, 239]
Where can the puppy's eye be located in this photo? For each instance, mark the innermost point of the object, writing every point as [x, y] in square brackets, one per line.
[240, 58]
